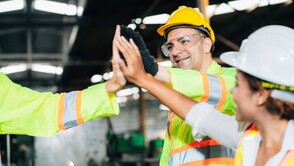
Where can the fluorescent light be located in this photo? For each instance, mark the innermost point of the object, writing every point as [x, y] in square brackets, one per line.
[133, 26]
[223, 9]
[273, 2]
[80, 11]
[263, 3]
[122, 99]
[124, 92]
[156, 19]
[47, 69]
[14, 68]
[136, 96]
[11, 5]
[58, 8]
[107, 76]
[135, 90]
[241, 5]
[210, 10]
[128, 91]
[96, 78]
[138, 20]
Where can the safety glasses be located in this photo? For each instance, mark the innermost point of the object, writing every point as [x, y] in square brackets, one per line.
[181, 43]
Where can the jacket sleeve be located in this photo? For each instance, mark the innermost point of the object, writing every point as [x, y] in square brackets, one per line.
[25, 111]
[206, 121]
[203, 87]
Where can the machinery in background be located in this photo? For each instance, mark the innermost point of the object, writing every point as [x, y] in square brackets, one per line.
[130, 149]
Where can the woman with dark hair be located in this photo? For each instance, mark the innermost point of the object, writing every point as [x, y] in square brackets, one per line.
[262, 131]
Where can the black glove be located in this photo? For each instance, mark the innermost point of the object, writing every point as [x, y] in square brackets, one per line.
[150, 65]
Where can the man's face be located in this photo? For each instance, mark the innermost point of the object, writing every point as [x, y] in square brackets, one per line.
[191, 57]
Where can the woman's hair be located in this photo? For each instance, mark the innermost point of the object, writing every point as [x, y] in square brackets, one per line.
[274, 106]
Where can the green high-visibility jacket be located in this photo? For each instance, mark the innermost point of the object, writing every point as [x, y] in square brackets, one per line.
[213, 87]
[25, 111]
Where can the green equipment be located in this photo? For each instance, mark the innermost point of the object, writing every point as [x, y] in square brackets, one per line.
[133, 142]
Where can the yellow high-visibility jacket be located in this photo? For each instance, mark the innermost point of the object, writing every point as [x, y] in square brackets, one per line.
[180, 148]
[24, 111]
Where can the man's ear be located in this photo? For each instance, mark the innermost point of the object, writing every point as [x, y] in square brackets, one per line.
[207, 45]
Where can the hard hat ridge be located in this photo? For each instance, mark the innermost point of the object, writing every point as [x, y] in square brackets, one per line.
[187, 16]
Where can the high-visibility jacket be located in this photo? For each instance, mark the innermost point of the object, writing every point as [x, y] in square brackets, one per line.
[180, 148]
[24, 111]
[249, 145]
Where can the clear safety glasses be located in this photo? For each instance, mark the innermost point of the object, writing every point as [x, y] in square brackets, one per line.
[181, 43]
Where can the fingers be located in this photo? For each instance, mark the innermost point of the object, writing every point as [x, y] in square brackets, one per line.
[135, 47]
[123, 67]
[128, 50]
[115, 65]
[115, 51]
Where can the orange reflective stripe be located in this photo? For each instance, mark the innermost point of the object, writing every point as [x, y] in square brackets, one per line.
[205, 84]
[196, 144]
[224, 93]
[79, 117]
[229, 161]
[61, 112]
[289, 154]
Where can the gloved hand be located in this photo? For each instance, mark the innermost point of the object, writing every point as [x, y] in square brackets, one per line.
[150, 65]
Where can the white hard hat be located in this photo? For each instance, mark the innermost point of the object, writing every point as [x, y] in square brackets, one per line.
[268, 54]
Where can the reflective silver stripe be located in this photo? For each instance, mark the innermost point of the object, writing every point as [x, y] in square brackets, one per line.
[69, 117]
[215, 90]
[203, 153]
[185, 156]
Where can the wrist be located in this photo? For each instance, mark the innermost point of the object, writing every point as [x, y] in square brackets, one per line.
[112, 87]
[144, 80]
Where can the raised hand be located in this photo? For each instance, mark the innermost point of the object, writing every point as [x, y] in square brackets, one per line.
[118, 80]
[134, 72]
[134, 69]
[149, 62]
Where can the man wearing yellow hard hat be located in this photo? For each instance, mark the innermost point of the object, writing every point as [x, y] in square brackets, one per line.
[190, 42]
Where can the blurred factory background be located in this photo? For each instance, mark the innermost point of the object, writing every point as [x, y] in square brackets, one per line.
[64, 45]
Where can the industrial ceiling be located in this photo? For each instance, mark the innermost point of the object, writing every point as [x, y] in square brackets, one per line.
[82, 44]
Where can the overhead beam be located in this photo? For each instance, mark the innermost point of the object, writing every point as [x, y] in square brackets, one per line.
[227, 42]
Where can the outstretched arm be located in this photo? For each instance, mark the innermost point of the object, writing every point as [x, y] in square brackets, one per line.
[25, 111]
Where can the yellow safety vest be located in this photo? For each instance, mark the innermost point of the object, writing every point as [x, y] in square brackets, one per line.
[180, 148]
[252, 132]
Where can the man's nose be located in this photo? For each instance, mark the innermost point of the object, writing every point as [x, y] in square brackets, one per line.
[175, 51]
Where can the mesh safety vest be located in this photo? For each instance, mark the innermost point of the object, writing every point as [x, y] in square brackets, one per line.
[212, 87]
[252, 133]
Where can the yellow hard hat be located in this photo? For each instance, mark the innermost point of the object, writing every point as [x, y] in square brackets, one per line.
[187, 16]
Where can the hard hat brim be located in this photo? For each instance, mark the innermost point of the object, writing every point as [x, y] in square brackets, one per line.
[230, 58]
